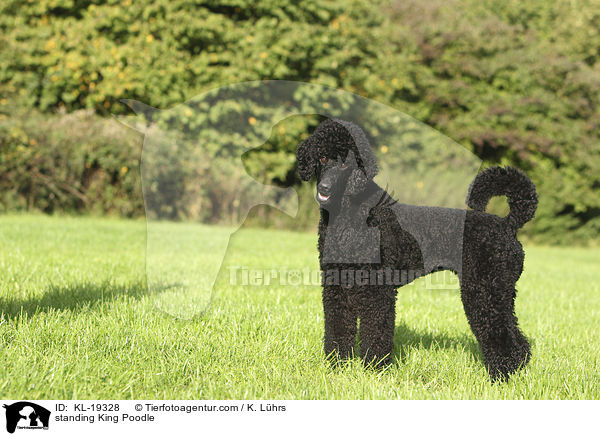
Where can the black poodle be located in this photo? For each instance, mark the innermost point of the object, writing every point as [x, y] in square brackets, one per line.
[369, 245]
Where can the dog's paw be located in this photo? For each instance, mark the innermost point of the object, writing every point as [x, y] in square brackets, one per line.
[500, 368]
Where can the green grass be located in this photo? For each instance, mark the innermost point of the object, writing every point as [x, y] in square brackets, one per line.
[79, 322]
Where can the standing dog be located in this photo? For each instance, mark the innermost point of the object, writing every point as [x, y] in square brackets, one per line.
[369, 245]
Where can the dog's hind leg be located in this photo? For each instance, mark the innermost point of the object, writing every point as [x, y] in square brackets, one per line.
[490, 313]
[340, 323]
[377, 319]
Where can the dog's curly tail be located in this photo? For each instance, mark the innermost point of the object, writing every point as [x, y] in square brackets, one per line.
[509, 181]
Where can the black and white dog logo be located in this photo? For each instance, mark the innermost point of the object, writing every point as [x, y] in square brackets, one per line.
[26, 415]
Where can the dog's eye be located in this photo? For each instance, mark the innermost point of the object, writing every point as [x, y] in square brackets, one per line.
[323, 160]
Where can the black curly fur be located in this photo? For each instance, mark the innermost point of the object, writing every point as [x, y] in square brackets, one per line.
[508, 181]
[364, 230]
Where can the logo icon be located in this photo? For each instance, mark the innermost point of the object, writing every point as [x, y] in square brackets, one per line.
[26, 415]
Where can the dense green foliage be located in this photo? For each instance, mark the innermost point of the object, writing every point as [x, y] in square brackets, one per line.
[515, 82]
[519, 83]
[92, 53]
[69, 162]
[78, 322]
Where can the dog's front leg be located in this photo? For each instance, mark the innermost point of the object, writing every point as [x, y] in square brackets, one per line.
[377, 318]
[340, 323]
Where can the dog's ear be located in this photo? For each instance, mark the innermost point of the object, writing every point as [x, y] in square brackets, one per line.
[367, 164]
[366, 157]
[307, 162]
[368, 160]
[358, 179]
[357, 182]
[364, 153]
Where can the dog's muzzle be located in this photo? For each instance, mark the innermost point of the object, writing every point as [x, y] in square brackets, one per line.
[323, 191]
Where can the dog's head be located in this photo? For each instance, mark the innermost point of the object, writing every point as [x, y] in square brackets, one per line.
[342, 159]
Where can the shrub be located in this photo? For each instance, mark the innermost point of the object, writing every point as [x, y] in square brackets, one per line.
[75, 162]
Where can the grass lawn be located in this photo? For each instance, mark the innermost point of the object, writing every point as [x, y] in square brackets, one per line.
[78, 321]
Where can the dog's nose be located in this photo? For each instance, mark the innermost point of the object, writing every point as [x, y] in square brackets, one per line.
[324, 186]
